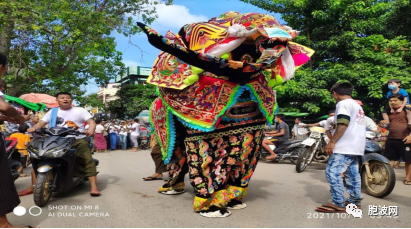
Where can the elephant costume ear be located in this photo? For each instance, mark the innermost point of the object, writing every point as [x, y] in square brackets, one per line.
[300, 53]
[169, 71]
[294, 56]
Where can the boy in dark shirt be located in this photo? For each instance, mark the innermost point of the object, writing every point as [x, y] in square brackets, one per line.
[398, 143]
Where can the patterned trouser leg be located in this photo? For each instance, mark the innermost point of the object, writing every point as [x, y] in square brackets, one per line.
[242, 172]
[218, 157]
[177, 169]
[340, 163]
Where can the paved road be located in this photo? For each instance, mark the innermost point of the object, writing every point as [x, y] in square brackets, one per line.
[278, 197]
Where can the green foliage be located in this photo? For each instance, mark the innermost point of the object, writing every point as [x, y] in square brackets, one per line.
[132, 100]
[363, 42]
[62, 45]
[91, 100]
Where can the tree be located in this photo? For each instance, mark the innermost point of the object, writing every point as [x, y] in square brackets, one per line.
[62, 45]
[132, 100]
[354, 41]
[91, 100]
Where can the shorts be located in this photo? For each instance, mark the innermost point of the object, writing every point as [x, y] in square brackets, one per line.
[276, 141]
[396, 149]
[388, 109]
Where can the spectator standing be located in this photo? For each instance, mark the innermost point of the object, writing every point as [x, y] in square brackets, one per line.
[113, 130]
[122, 132]
[298, 132]
[345, 148]
[327, 124]
[134, 133]
[99, 139]
[398, 143]
[129, 142]
[394, 86]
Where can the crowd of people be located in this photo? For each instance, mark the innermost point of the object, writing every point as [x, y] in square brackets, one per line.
[120, 134]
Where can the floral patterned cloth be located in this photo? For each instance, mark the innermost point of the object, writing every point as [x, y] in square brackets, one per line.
[221, 164]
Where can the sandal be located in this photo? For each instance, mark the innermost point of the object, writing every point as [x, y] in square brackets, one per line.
[152, 178]
[95, 192]
[407, 182]
[272, 158]
[330, 208]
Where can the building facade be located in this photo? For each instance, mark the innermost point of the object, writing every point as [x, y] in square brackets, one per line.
[134, 75]
[108, 92]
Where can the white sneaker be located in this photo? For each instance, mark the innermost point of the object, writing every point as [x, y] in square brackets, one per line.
[172, 192]
[238, 206]
[216, 214]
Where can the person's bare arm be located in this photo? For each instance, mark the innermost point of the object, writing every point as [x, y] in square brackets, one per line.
[10, 112]
[91, 128]
[281, 133]
[339, 132]
[329, 135]
[38, 126]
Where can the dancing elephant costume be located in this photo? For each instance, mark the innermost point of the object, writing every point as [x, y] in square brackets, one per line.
[215, 85]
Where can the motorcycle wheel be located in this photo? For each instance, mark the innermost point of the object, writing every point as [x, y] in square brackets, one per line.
[42, 189]
[383, 182]
[303, 160]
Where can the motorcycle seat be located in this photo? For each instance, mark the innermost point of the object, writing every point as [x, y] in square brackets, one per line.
[290, 142]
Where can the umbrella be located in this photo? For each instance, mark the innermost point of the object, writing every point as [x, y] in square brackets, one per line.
[29, 105]
[143, 116]
[49, 100]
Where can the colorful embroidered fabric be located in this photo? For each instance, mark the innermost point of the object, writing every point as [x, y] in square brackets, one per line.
[222, 163]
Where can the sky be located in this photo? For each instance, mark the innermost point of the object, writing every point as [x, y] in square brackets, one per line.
[172, 18]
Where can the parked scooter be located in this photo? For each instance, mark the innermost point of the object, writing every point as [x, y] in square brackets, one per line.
[13, 156]
[312, 149]
[143, 143]
[377, 175]
[53, 161]
[285, 151]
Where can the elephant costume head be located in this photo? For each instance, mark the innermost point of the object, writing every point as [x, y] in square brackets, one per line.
[206, 68]
[233, 45]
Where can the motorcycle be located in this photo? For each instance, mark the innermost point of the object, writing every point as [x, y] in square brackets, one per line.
[312, 149]
[144, 143]
[287, 150]
[377, 175]
[53, 161]
[13, 156]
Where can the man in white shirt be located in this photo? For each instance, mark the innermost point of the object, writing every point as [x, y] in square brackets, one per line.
[68, 115]
[326, 124]
[134, 133]
[298, 132]
[369, 123]
[346, 146]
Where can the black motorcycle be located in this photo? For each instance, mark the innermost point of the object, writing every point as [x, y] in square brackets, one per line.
[286, 150]
[53, 160]
[377, 175]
